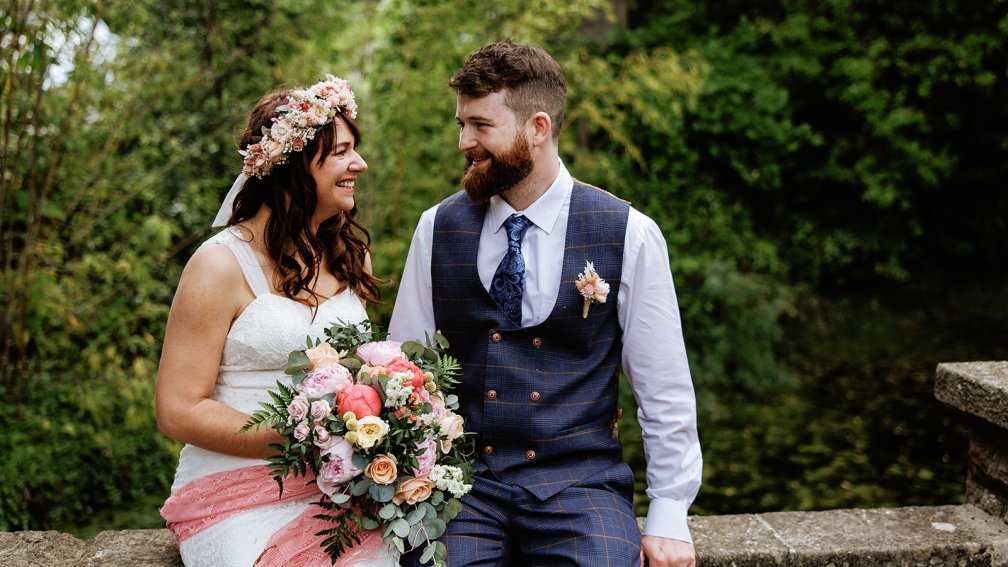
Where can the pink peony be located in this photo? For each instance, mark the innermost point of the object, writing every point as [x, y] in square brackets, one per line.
[404, 366]
[380, 353]
[322, 381]
[360, 399]
[425, 461]
[338, 469]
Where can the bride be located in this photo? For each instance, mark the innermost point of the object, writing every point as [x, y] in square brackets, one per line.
[290, 261]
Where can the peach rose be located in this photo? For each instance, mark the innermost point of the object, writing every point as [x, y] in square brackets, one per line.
[452, 425]
[382, 469]
[413, 490]
[322, 356]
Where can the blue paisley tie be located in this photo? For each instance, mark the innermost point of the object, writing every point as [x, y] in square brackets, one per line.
[508, 283]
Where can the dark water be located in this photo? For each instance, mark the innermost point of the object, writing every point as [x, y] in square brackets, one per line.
[860, 426]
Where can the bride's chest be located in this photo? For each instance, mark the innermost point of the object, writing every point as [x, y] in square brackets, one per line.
[272, 326]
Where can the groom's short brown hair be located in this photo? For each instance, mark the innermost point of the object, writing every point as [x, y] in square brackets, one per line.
[533, 80]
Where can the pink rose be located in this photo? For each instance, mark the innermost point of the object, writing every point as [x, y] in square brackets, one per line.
[360, 399]
[404, 366]
[338, 469]
[319, 409]
[380, 353]
[301, 431]
[321, 437]
[298, 408]
[425, 461]
[322, 381]
[322, 356]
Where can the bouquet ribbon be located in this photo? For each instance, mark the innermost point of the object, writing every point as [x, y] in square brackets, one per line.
[217, 497]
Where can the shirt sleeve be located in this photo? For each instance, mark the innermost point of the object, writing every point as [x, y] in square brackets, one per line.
[654, 359]
[413, 314]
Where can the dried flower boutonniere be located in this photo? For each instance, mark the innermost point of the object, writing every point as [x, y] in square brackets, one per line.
[592, 287]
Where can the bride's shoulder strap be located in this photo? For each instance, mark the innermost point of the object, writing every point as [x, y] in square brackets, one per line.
[233, 239]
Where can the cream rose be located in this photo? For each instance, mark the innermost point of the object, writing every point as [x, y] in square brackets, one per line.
[413, 490]
[452, 425]
[322, 356]
[382, 469]
[371, 430]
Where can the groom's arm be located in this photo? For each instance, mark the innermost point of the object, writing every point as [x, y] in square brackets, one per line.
[654, 359]
[413, 313]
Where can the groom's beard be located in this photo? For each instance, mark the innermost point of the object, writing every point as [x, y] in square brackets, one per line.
[504, 171]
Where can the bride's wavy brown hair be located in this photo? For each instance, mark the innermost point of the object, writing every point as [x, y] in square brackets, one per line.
[291, 195]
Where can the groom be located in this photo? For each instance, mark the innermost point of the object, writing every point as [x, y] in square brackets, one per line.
[496, 270]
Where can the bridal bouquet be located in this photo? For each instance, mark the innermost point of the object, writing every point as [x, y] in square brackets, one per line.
[372, 420]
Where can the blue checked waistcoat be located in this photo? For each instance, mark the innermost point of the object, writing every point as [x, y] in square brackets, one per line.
[541, 399]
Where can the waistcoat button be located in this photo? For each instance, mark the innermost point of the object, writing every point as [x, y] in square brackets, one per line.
[496, 337]
[537, 342]
[530, 454]
[491, 394]
[488, 450]
[534, 396]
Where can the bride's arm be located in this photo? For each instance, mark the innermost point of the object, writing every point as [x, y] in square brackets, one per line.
[211, 293]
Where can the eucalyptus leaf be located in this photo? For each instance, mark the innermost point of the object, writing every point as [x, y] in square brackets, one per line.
[412, 349]
[427, 554]
[416, 535]
[351, 363]
[381, 492]
[451, 508]
[401, 527]
[429, 511]
[361, 487]
[435, 527]
[340, 498]
[358, 460]
[369, 523]
[388, 511]
[415, 516]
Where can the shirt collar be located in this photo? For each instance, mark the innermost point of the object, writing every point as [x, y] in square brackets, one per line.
[545, 211]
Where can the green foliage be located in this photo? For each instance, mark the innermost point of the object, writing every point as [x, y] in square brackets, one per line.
[785, 149]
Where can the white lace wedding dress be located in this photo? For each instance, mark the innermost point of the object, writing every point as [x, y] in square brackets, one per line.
[254, 358]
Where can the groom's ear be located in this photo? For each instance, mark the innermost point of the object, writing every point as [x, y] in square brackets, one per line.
[542, 128]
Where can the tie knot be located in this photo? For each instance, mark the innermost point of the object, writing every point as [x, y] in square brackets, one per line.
[516, 227]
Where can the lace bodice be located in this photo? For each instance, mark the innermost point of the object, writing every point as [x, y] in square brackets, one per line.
[253, 360]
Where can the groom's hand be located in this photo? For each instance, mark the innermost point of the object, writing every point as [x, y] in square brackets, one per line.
[665, 552]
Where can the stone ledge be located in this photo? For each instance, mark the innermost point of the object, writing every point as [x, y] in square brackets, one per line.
[977, 388]
[912, 536]
[964, 536]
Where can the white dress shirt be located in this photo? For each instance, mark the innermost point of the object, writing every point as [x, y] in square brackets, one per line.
[654, 355]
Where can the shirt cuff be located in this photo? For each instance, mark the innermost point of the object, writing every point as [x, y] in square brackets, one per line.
[667, 518]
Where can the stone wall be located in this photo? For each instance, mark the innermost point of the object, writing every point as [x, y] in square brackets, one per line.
[971, 535]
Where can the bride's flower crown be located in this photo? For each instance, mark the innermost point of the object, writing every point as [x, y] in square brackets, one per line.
[305, 113]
